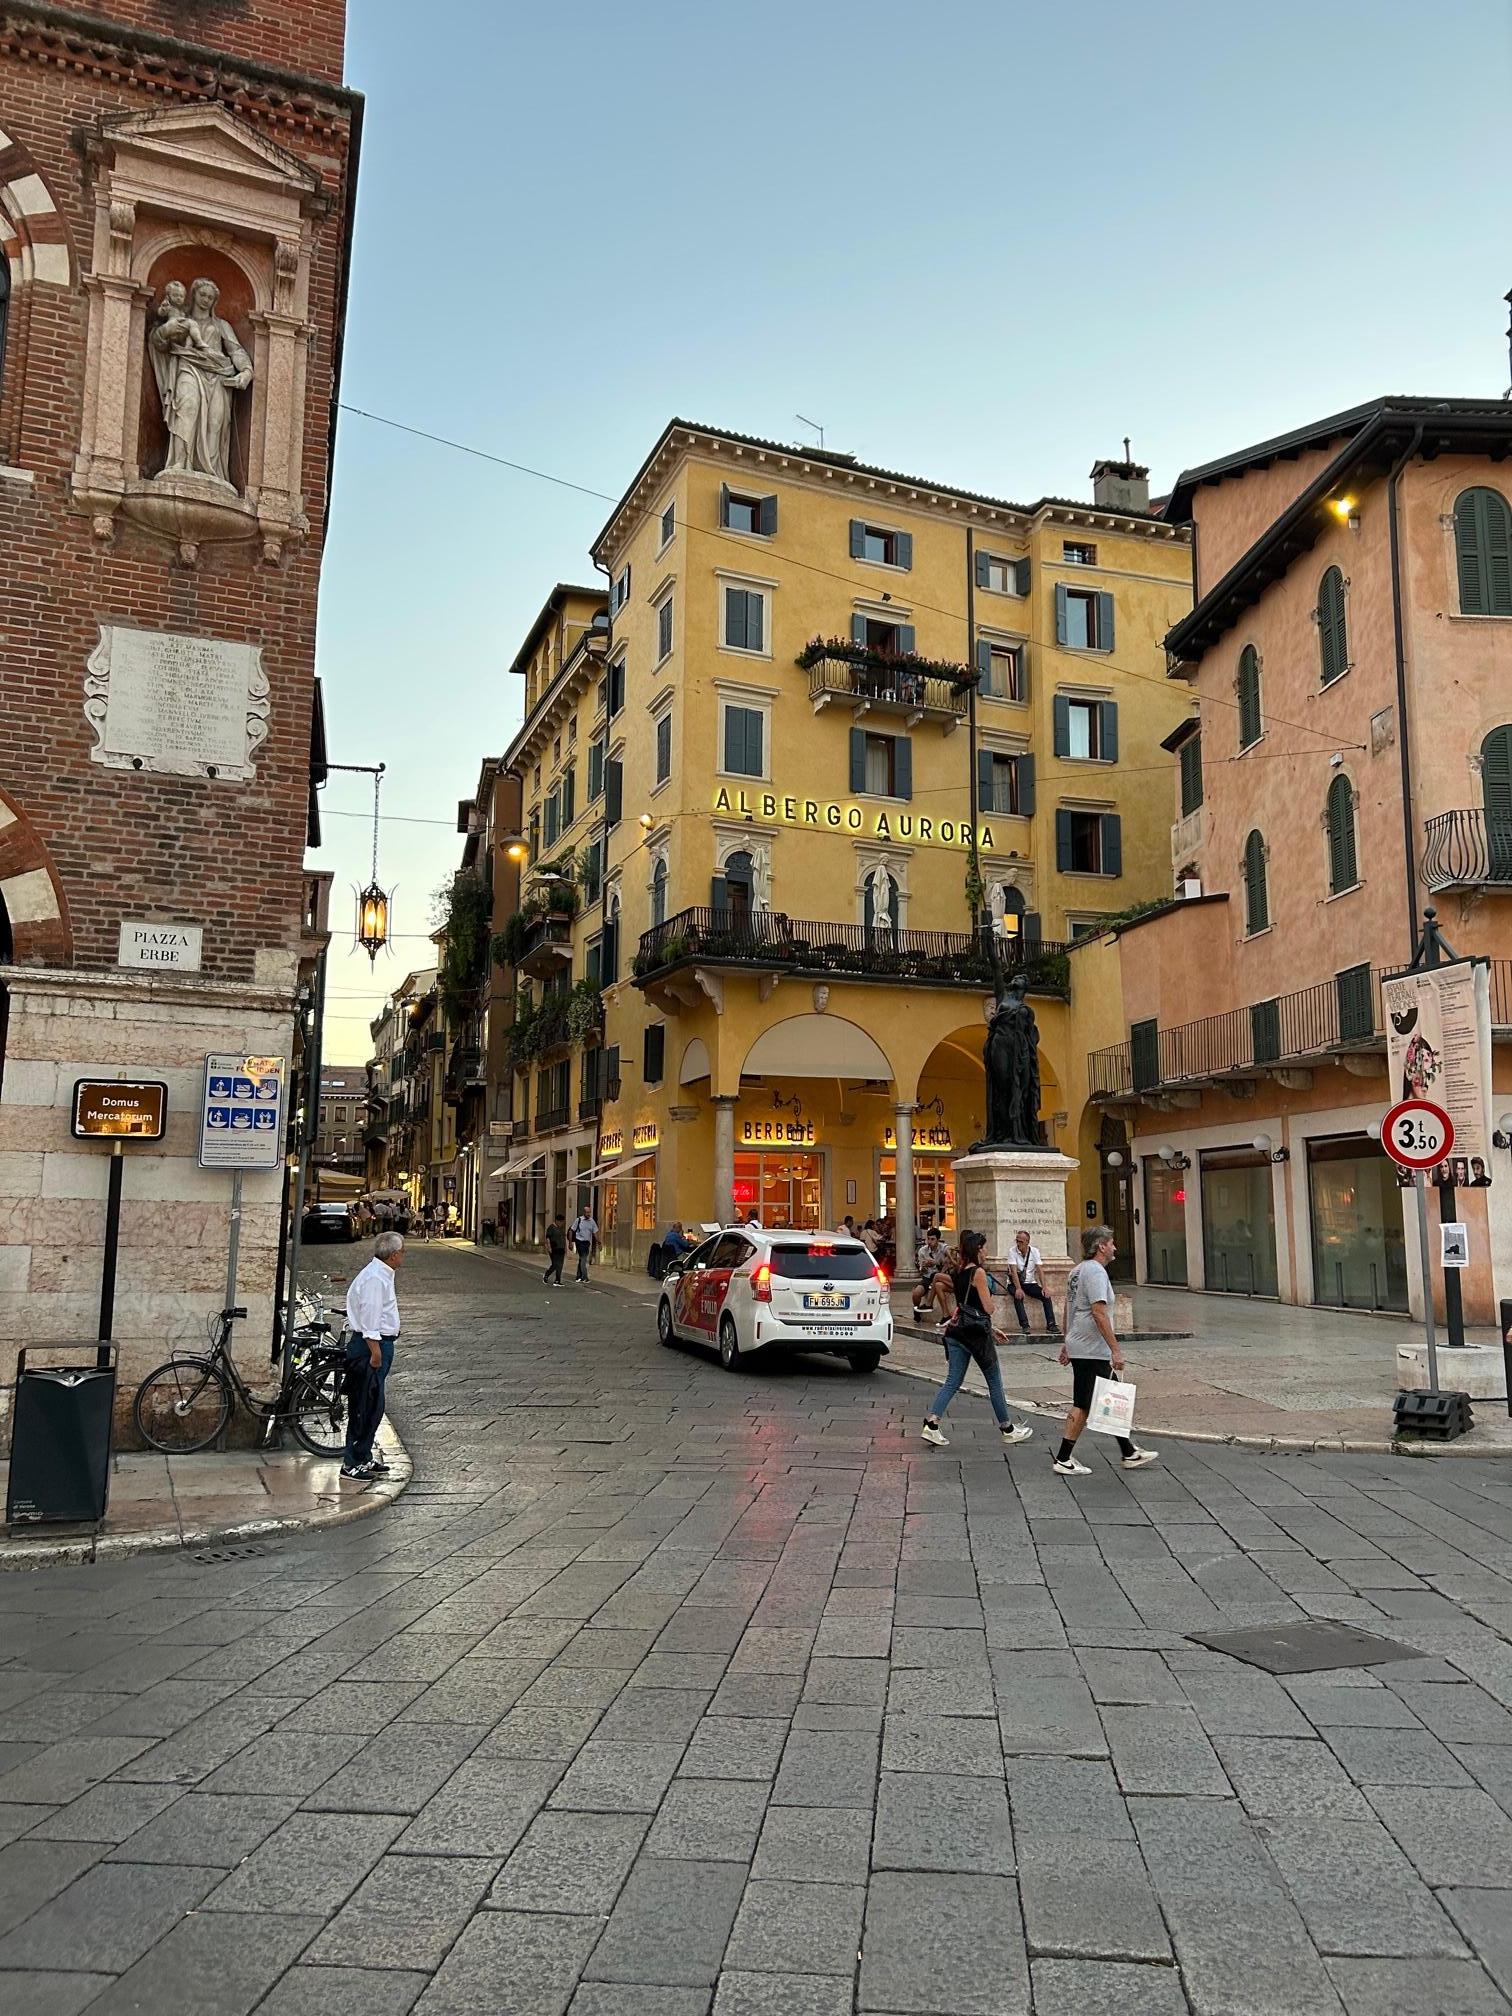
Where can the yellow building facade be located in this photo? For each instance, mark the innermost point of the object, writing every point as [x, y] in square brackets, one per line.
[835, 705]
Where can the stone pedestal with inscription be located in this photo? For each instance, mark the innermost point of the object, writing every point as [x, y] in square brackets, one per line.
[999, 1190]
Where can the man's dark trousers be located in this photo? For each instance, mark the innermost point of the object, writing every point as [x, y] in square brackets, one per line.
[555, 1255]
[366, 1405]
[1032, 1288]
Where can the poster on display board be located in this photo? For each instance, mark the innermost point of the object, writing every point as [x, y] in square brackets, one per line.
[1438, 1047]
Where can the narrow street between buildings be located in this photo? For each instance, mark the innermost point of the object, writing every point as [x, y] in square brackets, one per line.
[666, 1692]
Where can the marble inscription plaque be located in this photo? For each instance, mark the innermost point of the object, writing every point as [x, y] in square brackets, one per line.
[185, 706]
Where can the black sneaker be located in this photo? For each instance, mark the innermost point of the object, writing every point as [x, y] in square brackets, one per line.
[378, 1465]
[364, 1471]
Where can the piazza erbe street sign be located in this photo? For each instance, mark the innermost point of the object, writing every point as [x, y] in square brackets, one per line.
[117, 1109]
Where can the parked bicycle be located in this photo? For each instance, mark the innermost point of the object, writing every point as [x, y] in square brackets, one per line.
[184, 1405]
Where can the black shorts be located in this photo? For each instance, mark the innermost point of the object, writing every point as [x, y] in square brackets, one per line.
[1085, 1373]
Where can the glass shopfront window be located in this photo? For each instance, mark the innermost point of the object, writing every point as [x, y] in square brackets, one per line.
[1238, 1221]
[1359, 1247]
[645, 1198]
[1165, 1224]
[934, 1190]
[784, 1189]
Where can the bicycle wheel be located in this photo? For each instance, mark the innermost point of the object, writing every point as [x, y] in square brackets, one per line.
[182, 1406]
[318, 1408]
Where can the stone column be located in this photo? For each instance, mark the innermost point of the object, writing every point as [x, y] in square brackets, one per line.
[905, 1212]
[724, 1159]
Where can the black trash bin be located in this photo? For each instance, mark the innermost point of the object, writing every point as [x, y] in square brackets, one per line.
[61, 1441]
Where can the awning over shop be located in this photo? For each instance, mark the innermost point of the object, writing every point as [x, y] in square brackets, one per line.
[519, 1165]
[612, 1172]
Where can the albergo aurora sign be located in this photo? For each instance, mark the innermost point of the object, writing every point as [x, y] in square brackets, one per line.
[845, 816]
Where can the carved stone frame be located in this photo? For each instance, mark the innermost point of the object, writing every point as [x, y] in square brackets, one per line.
[197, 175]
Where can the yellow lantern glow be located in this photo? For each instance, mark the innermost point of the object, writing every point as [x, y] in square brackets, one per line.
[372, 920]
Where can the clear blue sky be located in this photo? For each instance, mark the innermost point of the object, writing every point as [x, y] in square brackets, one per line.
[977, 241]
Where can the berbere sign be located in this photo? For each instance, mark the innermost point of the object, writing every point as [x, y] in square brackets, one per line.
[107, 1109]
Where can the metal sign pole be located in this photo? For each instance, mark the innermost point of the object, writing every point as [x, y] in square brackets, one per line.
[1420, 1184]
[235, 1240]
[112, 1243]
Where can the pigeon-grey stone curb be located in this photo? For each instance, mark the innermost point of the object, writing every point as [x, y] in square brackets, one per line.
[42, 1552]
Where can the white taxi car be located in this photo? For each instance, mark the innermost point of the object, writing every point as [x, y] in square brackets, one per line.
[745, 1290]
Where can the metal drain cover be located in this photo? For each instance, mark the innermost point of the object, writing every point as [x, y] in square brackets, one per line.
[251, 1552]
[1312, 1646]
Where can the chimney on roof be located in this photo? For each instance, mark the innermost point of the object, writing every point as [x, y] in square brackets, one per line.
[1121, 486]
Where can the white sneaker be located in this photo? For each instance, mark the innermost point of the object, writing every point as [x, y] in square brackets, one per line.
[1018, 1431]
[932, 1433]
[1069, 1467]
[1140, 1457]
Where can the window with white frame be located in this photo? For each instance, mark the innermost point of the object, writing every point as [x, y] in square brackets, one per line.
[659, 890]
[619, 594]
[668, 526]
[743, 619]
[1002, 669]
[742, 739]
[664, 746]
[664, 628]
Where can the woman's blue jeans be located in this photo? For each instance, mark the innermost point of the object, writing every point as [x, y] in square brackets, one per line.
[960, 1363]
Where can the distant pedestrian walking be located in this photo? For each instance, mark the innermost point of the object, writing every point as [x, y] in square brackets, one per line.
[372, 1311]
[556, 1250]
[584, 1236]
[970, 1337]
[1092, 1350]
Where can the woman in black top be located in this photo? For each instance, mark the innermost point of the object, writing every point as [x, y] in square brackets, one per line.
[970, 1336]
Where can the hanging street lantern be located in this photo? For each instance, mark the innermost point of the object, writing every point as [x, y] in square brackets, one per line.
[373, 902]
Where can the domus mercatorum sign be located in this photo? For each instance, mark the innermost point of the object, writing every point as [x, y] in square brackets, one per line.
[846, 816]
[185, 706]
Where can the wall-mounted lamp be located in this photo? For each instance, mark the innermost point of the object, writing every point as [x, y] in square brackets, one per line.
[1374, 1130]
[1347, 511]
[1262, 1146]
[1114, 1159]
[1173, 1157]
[1502, 1138]
[644, 822]
[517, 851]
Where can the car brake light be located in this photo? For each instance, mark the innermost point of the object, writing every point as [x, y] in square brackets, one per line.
[761, 1282]
[881, 1274]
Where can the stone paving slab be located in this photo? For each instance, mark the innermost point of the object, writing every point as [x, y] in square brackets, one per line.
[666, 1693]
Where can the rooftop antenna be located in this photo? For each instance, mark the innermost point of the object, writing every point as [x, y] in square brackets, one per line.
[1126, 448]
[805, 421]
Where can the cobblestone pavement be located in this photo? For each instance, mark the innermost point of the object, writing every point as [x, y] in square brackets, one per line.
[664, 1692]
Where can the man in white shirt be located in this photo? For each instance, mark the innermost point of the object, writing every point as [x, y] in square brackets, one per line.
[372, 1312]
[1024, 1264]
[583, 1232]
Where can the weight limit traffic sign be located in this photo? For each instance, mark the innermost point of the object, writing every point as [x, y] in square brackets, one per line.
[1416, 1134]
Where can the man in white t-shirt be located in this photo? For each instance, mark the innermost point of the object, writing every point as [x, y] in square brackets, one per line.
[372, 1313]
[1024, 1264]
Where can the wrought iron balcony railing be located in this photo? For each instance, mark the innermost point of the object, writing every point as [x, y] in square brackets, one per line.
[548, 1117]
[1468, 850]
[547, 944]
[1313, 1023]
[769, 941]
[888, 685]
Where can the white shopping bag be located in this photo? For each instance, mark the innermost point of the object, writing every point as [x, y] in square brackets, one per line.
[1112, 1409]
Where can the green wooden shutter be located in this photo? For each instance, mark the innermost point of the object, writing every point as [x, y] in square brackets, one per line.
[595, 769]
[1107, 735]
[569, 797]
[903, 547]
[1062, 720]
[1191, 775]
[984, 781]
[858, 629]
[1265, 1032]
[1256, 896]
[1496, 775]
[1356, 1007]
[1032, 931]
[857, 538]
[724, 503]
[984, 663]
[1144, 1055]
[1333, 642]
[1483, 552]
[906, 637]
[858, 759]
[654, 1052]
[1022, 651]
[755, 725]
[614, 793]
[1112, 844]
[734, 739]
[719, 894]
[1021, 576]
[1062, 839]
[902, 767]
[766, 518]
[1026, 786]
[1342, 870]
[1060, 612]
[1249, 696]
[1104, 621]
[980, 562]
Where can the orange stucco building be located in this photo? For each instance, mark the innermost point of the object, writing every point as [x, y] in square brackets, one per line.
[1348, 761]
